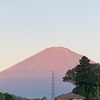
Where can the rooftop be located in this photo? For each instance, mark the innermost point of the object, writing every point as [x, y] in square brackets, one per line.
[70, 96]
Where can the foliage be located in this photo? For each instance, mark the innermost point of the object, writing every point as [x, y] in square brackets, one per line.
[86, 78]
[6, 96]
[44, 98]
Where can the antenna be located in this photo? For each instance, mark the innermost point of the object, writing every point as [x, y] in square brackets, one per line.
[53, 86]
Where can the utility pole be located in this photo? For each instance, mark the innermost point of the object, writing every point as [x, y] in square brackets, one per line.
[98, 92]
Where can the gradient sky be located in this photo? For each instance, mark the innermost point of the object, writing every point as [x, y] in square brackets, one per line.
[29, 26]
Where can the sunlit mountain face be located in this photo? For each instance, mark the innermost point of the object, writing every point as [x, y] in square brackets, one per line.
[32, 78]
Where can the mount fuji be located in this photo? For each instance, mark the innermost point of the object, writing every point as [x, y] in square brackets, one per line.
[32, 78]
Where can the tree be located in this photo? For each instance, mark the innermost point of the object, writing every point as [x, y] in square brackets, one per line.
[44, 98]
[86, 78]
[6, 96]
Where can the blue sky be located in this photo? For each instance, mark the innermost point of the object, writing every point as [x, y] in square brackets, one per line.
[29, 26]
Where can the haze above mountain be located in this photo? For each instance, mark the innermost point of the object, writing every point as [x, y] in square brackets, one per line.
[32, 77]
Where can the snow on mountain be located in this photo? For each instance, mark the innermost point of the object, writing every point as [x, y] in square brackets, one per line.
[32, 77]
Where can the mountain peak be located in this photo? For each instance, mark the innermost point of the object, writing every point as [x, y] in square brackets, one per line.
[57, 48]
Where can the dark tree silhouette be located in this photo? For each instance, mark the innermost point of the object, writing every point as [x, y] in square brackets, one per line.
[86, 78]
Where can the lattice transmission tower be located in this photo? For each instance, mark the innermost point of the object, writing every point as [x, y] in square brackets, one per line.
[53, 86]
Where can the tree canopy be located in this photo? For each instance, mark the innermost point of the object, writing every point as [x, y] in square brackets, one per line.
[6, 96]
[86, 78]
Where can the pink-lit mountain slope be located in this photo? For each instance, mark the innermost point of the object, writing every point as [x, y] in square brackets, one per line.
[32, 77]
